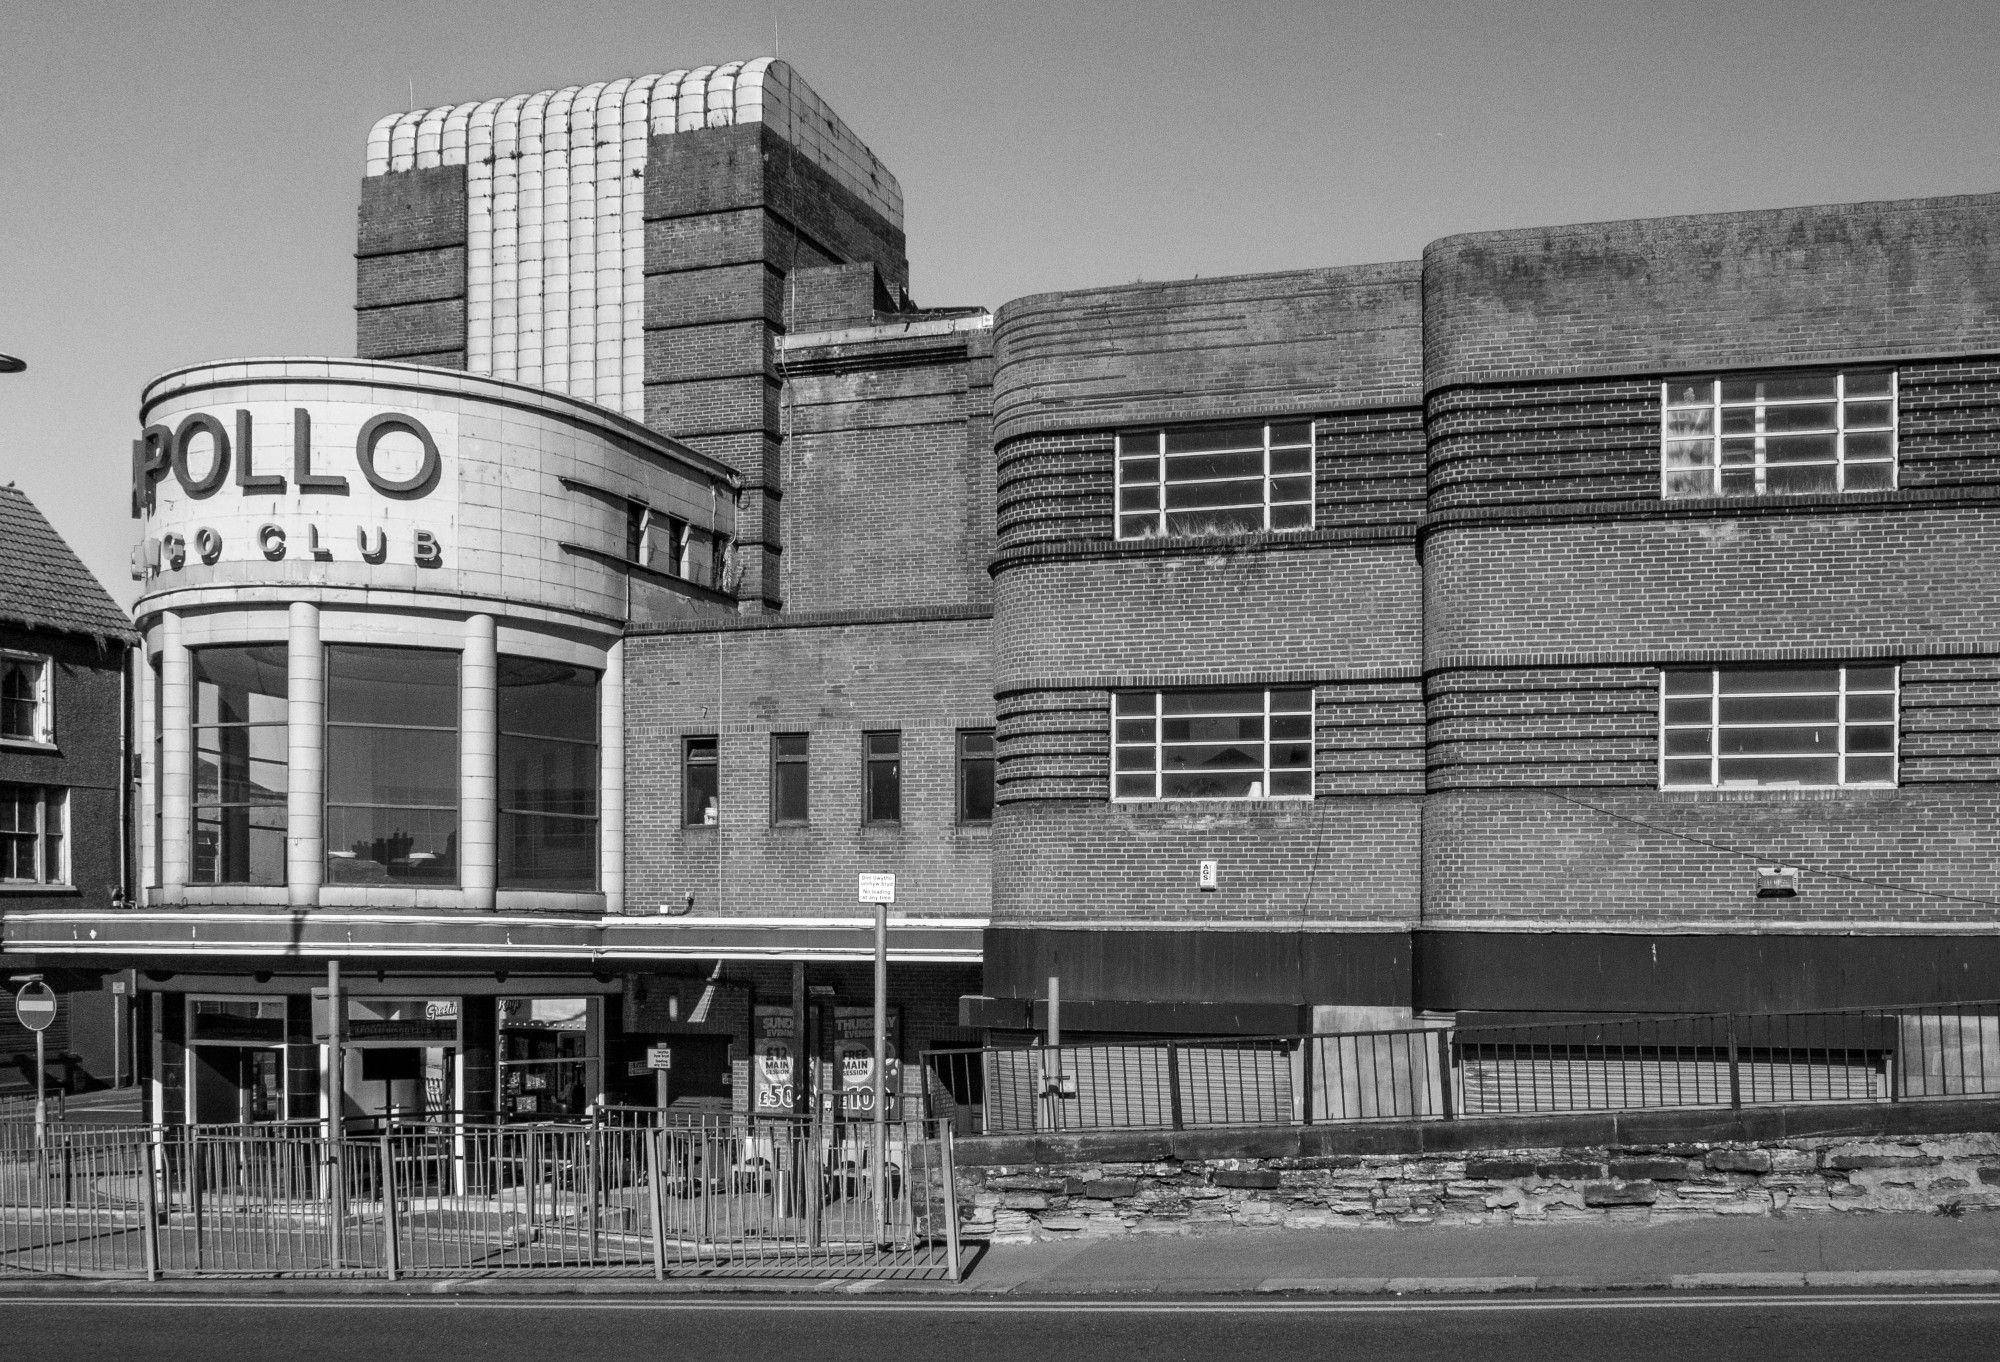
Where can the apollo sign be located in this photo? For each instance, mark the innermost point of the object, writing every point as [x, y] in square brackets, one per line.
[219, 485]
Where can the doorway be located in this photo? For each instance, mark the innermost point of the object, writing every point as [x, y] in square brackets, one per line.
[238, 1084]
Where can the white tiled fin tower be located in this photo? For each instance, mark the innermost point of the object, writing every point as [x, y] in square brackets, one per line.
[556, 195]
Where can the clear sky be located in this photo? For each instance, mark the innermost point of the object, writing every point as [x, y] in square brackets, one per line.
[178, 180]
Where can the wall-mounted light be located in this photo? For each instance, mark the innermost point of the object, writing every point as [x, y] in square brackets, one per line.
[1777, 881]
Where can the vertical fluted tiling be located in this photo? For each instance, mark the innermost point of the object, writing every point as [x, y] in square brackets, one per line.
[305, 727]
[611, 779]
[176, 755]
[478, 762]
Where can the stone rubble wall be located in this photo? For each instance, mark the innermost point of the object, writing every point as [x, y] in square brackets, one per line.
[1655, 1183]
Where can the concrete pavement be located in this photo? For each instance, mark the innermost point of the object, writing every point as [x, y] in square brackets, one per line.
[1774, 1252]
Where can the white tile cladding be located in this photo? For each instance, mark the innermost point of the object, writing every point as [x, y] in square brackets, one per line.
[522, 498]
[555, 207]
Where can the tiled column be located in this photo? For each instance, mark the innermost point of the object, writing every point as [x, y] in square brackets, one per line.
[176, 756]
[611, 779]
[149, 777]
[305, 728]
[478, 762]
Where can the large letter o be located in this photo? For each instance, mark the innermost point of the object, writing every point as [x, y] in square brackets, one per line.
[218, 472]
[364, 453]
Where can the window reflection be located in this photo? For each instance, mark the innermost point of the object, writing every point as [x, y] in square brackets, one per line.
[548, 775]
[391, 765]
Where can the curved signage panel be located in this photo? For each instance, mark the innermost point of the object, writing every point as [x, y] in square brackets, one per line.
[383, 476]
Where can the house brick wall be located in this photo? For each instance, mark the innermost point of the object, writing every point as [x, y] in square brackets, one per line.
[409, 267]
[1785, 285]
[926, 679]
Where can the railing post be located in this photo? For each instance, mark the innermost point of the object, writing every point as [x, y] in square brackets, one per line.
[336, 1205]
[1174, 1083]
[391, 1251]
[150, 1201]
[1445, 1103]
[1894, 1060]
[951, 1249]
[1735, 1071]
[1308, 1061]
[656, 1173]
[591, 1153]
[194, 1177]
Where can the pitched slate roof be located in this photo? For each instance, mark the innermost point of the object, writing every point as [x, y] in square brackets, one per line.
[43, 584]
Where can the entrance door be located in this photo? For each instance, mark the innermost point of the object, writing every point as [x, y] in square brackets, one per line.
[238, 1084]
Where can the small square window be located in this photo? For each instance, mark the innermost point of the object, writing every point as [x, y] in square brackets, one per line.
[34, 835]
[699, 786]
[882, 778]
[975, 775]
[791, 768]
[24, 698]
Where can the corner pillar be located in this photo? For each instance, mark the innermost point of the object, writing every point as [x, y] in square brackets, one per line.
[176, 782]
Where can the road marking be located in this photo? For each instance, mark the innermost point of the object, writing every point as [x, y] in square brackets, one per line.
[1572, 1304]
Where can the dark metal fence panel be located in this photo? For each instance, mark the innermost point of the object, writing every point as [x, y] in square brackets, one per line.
[1482, 1068]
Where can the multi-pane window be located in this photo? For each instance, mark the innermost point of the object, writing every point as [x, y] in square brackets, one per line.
[241, 764]
[1790, 726]
[548, 775]
[975, 775]
[24, 698]
[882, 777]
[1200, 480]
[391, 765]
[791, 771]
[1779, 434]
[34, 835]
[1213, 744]
[699, 784]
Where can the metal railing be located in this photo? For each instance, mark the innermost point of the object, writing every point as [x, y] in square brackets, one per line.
[1477, 1069]
[724, 1196]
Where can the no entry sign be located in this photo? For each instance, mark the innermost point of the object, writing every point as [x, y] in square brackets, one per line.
[35, 1006]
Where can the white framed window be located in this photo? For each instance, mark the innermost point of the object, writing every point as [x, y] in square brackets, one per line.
[1754, 435]
[1802, 727]
[1218, 479]
[1250, 743]
[34, 834]
[26, 714]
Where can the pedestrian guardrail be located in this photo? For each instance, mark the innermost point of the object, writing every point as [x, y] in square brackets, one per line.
[729, 1196]
[1474, 1068]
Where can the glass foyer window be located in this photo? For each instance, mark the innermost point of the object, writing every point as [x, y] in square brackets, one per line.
[1212, 744]
[1778, 726]
[1775, 434]
[1234, 479]
[548, 776]
[391, 765]
[241, 751]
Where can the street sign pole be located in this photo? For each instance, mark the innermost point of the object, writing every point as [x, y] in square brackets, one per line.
[35, 1008]
[881, 1073]
[880, 890]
